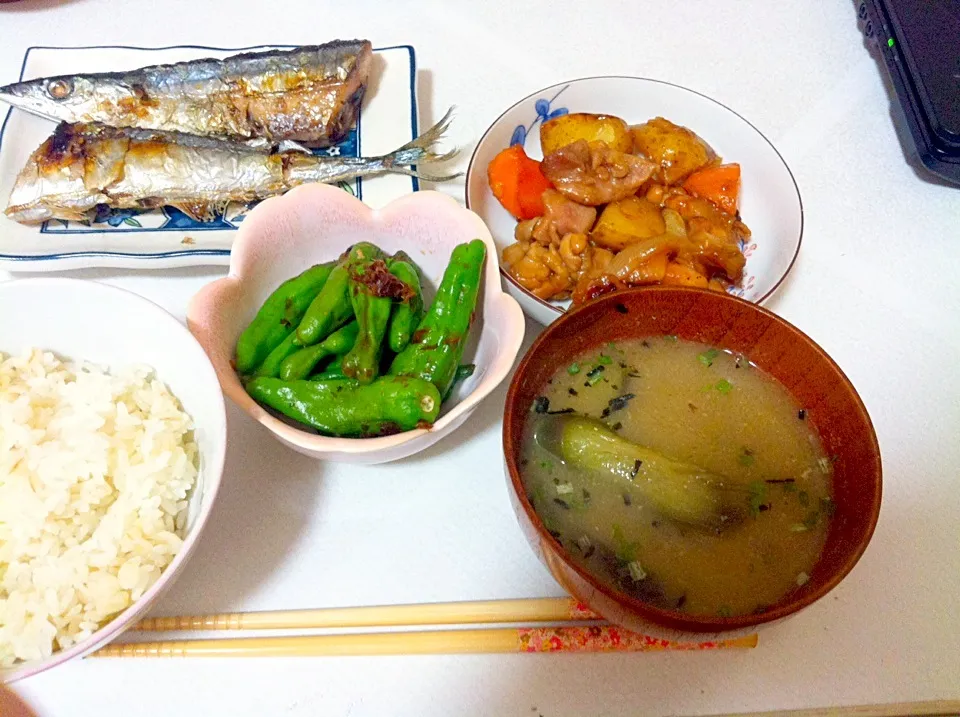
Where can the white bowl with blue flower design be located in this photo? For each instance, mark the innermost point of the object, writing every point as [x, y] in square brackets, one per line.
[769, 198]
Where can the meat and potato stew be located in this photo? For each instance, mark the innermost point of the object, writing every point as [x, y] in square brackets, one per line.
[613, 206]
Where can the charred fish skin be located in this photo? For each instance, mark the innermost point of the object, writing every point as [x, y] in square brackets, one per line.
[85, 166]
[309, 94]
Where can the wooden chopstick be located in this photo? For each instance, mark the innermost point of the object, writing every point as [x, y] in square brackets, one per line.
[450, 613]
[936, 708]
[569, 639]
[600, 638]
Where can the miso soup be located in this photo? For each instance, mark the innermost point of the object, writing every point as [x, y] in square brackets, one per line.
[680, 474]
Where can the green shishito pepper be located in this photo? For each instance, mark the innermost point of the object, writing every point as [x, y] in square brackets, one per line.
[344, 407]
[331, 308]
[299, 364]
[437, 345]
[372, 291]
[279, 316]
[408, 312]
[273, 362]
[334, 369]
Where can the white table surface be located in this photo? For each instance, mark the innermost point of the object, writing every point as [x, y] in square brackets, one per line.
[875, 285]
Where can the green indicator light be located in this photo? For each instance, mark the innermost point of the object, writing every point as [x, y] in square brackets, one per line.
[890, 42]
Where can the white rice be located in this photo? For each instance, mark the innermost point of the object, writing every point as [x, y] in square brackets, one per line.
[94, 475]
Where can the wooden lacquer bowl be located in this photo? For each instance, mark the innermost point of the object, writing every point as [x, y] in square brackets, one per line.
[775, 346]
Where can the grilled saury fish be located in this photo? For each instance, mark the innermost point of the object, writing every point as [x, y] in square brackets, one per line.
[309, 95]
[82, 166]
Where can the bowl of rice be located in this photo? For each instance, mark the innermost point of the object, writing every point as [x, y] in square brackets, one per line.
[112, 443]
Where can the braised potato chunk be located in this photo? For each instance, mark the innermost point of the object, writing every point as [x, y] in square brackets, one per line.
[567, 129]
[675, 150]
[627, 221]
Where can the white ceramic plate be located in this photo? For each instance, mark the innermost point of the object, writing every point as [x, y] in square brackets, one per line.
[63, 315]
[168, 238]
[769, 198]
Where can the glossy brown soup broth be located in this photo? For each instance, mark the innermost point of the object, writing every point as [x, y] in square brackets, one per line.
[700, 485]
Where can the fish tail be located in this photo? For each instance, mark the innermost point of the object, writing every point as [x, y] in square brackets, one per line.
[421, 150]
[433, 135]
[406, 160]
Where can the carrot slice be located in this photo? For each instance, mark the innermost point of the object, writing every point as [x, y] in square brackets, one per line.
[503, 174]
[720, 184]
[531, 188]
[517, 182]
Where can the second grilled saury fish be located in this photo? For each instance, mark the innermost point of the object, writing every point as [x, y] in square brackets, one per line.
[308, 95]
[81, 167]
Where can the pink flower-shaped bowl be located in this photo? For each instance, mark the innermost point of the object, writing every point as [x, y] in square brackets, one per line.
[283, 236]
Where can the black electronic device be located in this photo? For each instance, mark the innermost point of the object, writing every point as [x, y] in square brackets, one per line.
[919, 41]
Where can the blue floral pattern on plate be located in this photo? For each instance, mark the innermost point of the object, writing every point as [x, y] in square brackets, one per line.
[545, 111]
[176, 219]
[117, 217]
